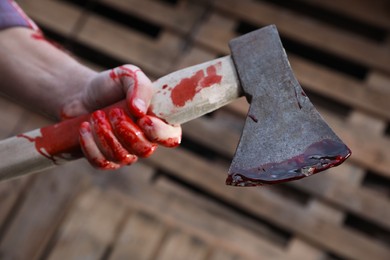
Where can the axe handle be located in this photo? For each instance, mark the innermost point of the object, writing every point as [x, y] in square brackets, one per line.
[179, 97]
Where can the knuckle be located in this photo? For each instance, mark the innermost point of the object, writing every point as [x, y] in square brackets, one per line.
[129, 67]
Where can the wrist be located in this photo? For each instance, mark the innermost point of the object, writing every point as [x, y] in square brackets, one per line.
[71, 99]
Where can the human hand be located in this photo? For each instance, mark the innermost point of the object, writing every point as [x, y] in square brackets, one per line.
[119, 137]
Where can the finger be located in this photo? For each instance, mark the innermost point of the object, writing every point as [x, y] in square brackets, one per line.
[129, 134]
[103, 90]
[91, 150]
[158, 131]
[106, 140]
[139, 90]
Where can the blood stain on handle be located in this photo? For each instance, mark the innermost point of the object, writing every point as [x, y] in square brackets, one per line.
[187, 88]
[41, 146]
[59, 141]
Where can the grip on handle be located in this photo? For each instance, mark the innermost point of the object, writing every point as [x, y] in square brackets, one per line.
[179, 97]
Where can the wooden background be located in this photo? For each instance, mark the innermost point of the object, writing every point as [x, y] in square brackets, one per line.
[175, 204]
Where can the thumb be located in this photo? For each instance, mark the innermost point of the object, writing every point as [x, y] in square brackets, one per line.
[137, 86]
[110, 86]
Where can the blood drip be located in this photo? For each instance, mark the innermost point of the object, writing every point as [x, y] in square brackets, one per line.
[316, 158]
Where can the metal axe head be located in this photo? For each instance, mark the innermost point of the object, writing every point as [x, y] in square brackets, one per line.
[284, 137]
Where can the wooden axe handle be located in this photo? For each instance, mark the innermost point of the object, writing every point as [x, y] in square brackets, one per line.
[179, 97]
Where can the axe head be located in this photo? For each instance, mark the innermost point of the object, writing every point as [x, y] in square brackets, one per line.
[284, 137]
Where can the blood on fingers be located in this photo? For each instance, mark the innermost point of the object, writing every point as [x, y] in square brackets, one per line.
[90, 150]
[106, 140]
[149, 127]
[123, 72]
[129, 134]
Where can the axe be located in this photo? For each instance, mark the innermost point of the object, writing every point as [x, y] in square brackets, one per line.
[284, 137]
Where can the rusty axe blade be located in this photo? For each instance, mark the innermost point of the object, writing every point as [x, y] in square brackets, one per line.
[284, 137]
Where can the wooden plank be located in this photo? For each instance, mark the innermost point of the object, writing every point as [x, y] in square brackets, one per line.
[347, 177]
[262, 230]
[41, 212]
[368, 151]
[379, 81]
[155, 56]
[206, 132]
[178, 245]
[30, 120]
[159, 203]
[10, 192]
[301, 249]
[221, 254]
[229, 232]
[372, 125]
[216, 32]
[341, 88]
[177, 211]
[310, 31]
[9, 116]
[363, 202]
[192, 57]
[318, 208]
[273, 208]
[373, 12]
[180, 17]
[90, 227]
[58, 16]
[140, 237]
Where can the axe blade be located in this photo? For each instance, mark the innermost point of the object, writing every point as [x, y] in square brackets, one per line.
[284, 137]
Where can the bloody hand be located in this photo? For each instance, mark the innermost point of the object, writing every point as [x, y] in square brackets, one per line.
[119, 137]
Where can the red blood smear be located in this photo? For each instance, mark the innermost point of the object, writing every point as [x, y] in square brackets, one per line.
[316, 158]
[62, 140]
[64, 116]
[123, 72]
[169, 142]
[130, 134]
[96, 161]
[56, 141]
[39, 36]
[108, 143]
[189, 87]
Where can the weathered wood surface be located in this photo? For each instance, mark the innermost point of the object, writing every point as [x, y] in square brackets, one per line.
[175, 205]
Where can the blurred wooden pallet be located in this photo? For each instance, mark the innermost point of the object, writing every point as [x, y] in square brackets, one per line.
[165, 208]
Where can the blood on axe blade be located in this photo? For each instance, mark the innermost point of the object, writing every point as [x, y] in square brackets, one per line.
[284, 137]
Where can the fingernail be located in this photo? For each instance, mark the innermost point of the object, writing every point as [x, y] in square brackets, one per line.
[84, 128]
[140, 105]
[115, 115]
[98, 115]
